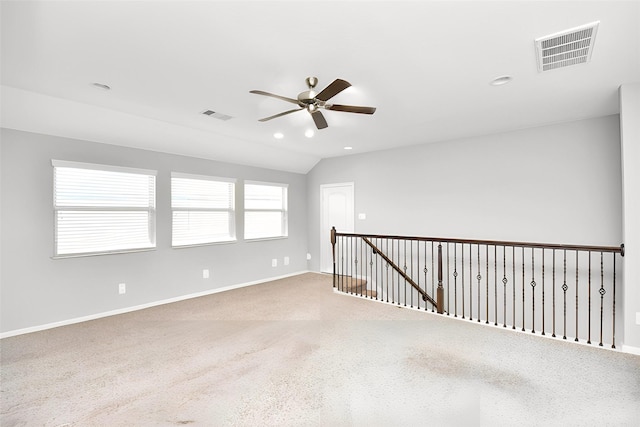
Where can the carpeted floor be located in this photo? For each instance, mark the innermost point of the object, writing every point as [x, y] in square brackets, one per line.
[293, 352]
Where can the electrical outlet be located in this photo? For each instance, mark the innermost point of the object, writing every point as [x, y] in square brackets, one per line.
[274, 262]
[286, 260]
[205, 273]
[308, 256]
[122, 288]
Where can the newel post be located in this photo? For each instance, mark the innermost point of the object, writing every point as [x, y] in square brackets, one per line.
[440, 294]
[333, 253]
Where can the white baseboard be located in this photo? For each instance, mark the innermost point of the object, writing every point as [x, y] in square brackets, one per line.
[140, 307]
[630, 349]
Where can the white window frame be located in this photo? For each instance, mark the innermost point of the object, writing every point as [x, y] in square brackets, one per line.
[150, 209]
[284, 210]
[230, 210]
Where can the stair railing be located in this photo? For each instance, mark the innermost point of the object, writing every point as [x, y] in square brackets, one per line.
[539, 287]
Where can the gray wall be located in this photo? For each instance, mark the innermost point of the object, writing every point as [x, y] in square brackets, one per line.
[552, 184]
[38, 290]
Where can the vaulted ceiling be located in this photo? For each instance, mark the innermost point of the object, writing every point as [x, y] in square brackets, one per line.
[425, 65]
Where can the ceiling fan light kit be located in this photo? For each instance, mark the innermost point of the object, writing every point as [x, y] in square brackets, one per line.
[313, 101]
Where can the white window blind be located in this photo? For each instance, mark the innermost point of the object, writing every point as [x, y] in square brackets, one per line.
[265, 210]
[203, 209]
[102, 209]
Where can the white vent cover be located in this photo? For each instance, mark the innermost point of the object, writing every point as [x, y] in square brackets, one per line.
[213, 114]
[569, 47]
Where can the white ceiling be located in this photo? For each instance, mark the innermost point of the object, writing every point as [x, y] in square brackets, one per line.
[425, 65]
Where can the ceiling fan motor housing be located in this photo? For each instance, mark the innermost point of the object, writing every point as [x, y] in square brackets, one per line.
[307, 97]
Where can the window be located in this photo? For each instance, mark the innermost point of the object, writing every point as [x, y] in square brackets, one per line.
[203, 209]
[265, 210]
[102, 209]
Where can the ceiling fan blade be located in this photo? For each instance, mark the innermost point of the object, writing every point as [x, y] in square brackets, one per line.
[319, 120]
[333, 89]
[280, 115]
[351, 109]
[284, 98]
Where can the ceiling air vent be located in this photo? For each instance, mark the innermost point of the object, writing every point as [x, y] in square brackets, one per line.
[566, 48]
[213, 114]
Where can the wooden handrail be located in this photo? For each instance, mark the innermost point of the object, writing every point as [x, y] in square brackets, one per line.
[614, 249]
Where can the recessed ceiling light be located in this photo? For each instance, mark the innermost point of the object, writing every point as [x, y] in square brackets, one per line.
[309, 133]
[278, 135]
[101, 86]
[348, 148]
[502, 80]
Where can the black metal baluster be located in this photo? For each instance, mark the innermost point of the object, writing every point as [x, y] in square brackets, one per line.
[553, 294]
[347, 260]
[543, 312]
[523, 290]
[470, 283]
[387, 268]
[347, 263]
[613, 343]
[504, 286]
[455, 280]
[418, 271]
[405, 272]
[339, 261]
[425, 270]
[359, 262]
[533, 292]
[495, 285]
[448, 287]
[398, 274]
[433, 270]
[576, 340]
[365, 262]
[462, 278]
[343, 251]
[589, 306]
[486, 261]
[564, 289]
[393, 275]
[513, 286]
[417, 276]
[364, 282]
[479, 277]
[371, 272]
[602, 292]
[374, 266]
[355, 271]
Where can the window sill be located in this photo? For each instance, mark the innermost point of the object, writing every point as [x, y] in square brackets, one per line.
[196, 245]
[262, 239]
[91, 254]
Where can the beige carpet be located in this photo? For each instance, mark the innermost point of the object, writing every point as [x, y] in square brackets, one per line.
[293, 352]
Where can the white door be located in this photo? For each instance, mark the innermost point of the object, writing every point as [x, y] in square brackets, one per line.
[336, 210]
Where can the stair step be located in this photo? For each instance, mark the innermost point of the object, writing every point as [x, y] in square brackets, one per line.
[357, 286]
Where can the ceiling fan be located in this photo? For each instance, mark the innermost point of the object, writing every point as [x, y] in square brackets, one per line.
[313, 101]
